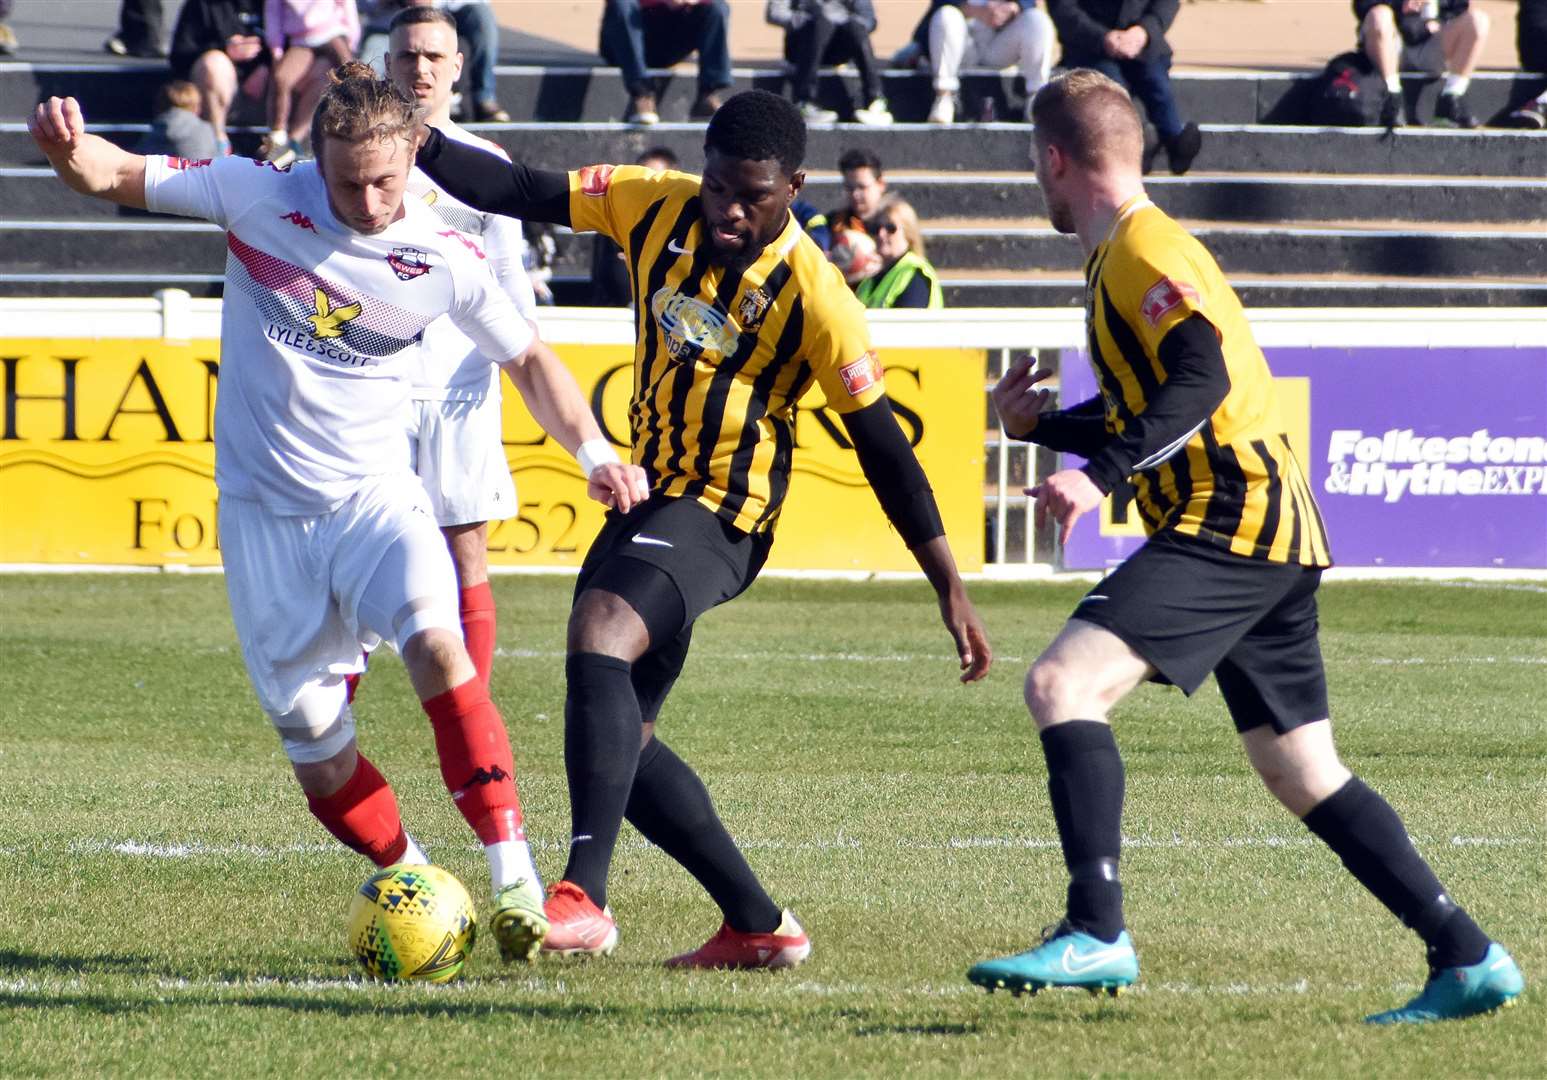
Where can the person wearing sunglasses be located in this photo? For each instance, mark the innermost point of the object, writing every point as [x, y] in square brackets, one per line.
[906, 279]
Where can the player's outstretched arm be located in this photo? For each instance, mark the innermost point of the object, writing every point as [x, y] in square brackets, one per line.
[86, 163]
[488, 182]
[555, 400]
[905, 496]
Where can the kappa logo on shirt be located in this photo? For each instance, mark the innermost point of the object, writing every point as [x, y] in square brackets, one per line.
[181, 163]
[1164, 296]
[299, 220]
[467, 243]
[594, 179]
[861, 375]
[409, 263]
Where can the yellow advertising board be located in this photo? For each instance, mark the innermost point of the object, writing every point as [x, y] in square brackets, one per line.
[107, 457]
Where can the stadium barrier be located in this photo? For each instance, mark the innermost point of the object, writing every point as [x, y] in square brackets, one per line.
[1424, 433]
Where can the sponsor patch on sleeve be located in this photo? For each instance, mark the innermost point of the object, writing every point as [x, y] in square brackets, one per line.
[1164, 296]
[861, 375]
[181, 163]
[594, 179]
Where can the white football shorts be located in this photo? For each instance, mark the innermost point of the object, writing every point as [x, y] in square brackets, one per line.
[310, 593]
[458, 454]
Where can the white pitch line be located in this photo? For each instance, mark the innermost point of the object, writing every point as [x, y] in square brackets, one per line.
[933, 658]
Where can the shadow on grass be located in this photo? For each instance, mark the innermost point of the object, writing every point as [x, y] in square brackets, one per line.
[14, 961]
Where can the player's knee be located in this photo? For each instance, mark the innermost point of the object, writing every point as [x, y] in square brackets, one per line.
[434, 654]
[603, 622]
[1049, 692]
[320, 779]
[318, 729]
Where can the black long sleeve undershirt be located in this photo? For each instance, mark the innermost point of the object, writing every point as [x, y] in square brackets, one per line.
[1196, 383]
[895, 475]
[488, 182]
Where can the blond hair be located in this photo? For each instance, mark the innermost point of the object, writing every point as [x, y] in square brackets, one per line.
[178, 94]
[907, 219]
[358, 107]
[1090, 118]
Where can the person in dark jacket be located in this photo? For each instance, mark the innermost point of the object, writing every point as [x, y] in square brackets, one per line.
[1531, 40]
[1441, 37]
[218, 46]
[1125, 40]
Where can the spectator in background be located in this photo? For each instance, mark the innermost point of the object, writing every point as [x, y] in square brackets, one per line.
[306, 38]
[218, 46]
[1437, 36]
[177, 129]
[863, 186]
[610, 285]
[480, 34]
[7, 35]
[642, 34]
[814, 222]
[828, 33]
[1125, 40]
[1531, 40]
[375, 19]
[905, 279]
[987, 33]
[139, 30]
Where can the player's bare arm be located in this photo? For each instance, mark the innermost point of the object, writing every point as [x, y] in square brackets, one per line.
[86, 163]
[905, 496]
[555, 400]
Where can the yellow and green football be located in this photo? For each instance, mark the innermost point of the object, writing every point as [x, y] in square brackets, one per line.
[412, 922]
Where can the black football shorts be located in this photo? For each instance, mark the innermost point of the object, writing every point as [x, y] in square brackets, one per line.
[1189, 608]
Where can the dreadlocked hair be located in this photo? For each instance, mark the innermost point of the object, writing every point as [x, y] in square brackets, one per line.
[359, 107]
[756, 125]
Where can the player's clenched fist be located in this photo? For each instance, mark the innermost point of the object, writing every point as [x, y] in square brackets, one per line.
[57, 125]
[618, 486]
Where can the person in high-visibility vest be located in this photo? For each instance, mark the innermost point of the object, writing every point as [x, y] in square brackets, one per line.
[906, 279]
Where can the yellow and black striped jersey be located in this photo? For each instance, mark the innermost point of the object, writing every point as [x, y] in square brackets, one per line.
[722, 356]
[1235, 482]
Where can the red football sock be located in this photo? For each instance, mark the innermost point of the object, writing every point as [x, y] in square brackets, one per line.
[363, 815]
[476, 762]
[477, 604]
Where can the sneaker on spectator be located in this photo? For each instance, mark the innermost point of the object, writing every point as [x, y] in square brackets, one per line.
[146, 50]
[277, 150]
[641, 110]
[812, 113]
[1182, 148]
[1393, 114]
[705, 107]
[7, 41]
[943, 111]
[1452, 111]
[489, 112]
[1532, 116]
[876, 114]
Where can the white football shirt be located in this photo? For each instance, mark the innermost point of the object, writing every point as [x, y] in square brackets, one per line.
[320, 326]
[449, 366]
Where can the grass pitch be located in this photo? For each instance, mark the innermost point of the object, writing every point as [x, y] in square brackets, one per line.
[170, 908]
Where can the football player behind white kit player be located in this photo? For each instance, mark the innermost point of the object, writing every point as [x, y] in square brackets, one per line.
[326, 535]
[454, 425]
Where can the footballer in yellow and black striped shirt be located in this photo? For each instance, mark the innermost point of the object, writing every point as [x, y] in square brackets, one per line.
[1225, 584]
[737, 314]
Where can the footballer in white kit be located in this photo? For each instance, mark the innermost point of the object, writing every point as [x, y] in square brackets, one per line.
[332, 278]
[454, 422]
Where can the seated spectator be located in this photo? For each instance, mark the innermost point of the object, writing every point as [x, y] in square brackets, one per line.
[375, 18]
[905, 279]
[306, 38]
[177, 129]
[863, 186]
[813, 222]
[139, 30]
[1531, 41]
[218, 46]
[1125, 40]
[984, 33]
[7, 35]
[609, 268]
[642, 34]
[1441, 37]
[828, 33]
[479, 31]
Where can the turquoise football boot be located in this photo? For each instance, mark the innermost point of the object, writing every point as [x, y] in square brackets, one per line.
[1066, 957]
[1459, 992]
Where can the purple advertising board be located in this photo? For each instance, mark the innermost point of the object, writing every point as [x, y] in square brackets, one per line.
[1418, 457]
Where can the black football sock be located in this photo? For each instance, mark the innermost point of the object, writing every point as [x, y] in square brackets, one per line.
[601, 749]
[1085, 782]
[1366, 833]
[670, 807]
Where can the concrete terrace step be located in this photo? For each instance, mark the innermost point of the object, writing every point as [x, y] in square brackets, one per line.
[999, 147]
[124, 91]
[33, 193]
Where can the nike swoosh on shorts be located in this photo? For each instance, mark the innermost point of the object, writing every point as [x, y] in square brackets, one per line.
[651, 541]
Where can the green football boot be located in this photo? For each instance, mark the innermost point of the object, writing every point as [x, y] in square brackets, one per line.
[1066, 957]
[519, 924]
[1458, 992]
